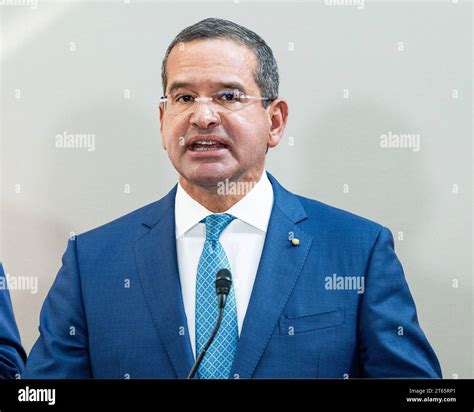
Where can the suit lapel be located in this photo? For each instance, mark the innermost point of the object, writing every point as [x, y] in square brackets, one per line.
[280, 266]
[157, 264]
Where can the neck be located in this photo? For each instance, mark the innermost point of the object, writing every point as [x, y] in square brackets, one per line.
[220, 198]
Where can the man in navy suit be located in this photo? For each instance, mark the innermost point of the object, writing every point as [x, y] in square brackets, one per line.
[317, 291]
[12, 355]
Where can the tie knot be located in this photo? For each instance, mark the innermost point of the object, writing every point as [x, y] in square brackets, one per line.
[215, 225]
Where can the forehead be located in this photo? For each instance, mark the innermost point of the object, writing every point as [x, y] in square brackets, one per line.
[204, 62]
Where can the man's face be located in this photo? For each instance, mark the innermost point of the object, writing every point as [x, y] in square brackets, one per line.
[202, 67]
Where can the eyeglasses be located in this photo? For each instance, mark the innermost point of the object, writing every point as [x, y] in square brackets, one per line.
[229, 100]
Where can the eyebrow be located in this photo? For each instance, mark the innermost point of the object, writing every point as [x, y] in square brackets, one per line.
[226, 85]
[178, 85]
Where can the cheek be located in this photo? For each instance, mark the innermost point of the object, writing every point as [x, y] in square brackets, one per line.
[173, 137]
[250, 133]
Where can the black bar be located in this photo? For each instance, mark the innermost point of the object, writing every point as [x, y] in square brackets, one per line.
[456, 394]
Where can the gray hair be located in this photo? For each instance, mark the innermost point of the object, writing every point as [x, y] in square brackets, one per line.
[266, 70]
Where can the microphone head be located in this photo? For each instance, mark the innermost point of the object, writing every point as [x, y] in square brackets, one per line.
[223, 282]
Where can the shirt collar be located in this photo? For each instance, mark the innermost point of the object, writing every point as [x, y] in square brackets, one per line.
[189, 212]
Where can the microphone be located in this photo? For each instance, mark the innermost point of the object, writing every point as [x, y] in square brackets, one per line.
[223, 285]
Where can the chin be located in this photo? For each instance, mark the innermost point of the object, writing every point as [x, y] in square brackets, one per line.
[207, 177]
[206, 181]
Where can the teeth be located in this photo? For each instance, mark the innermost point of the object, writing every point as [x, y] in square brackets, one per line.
[208, 142]
[203, 149]
[205, 145]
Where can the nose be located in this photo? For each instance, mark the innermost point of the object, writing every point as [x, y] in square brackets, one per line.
[205, 115]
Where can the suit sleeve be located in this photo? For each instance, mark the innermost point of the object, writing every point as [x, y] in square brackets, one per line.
[392, 344]
[61, 351]
[12, 354]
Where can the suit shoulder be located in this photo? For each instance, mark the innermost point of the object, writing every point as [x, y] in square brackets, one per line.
[334, 218]
[124, 226]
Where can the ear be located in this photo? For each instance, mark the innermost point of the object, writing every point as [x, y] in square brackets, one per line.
[278, 117]
[162, 112]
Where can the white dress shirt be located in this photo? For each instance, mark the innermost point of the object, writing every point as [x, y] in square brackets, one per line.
[242, 241]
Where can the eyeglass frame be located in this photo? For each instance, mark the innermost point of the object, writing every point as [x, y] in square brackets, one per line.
[164, 100]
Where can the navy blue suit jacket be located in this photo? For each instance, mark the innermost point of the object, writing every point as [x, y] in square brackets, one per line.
[12, 355]
[115, 309]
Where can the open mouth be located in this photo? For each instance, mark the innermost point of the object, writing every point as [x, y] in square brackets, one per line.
[206, 146]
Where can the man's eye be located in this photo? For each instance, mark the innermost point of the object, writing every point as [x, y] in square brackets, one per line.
[186, 98]
[229, 96]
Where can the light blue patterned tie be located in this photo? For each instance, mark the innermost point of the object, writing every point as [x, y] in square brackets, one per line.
[218, 359]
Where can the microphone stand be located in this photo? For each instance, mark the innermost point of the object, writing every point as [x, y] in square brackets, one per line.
[223, 285]
[207, 345]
